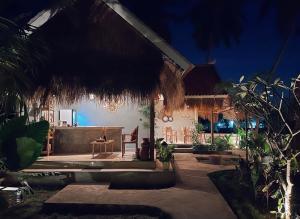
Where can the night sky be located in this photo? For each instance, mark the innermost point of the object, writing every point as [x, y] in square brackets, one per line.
[258, 47]
[259, 44]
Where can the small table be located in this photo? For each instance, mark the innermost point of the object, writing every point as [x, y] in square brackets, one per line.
[100, 143]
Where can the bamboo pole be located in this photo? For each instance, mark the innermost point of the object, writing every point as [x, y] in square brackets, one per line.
[212, 126]
[152, 124]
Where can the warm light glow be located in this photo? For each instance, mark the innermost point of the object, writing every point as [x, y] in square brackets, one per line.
[160, 97]
[91, 96]
[112, 105]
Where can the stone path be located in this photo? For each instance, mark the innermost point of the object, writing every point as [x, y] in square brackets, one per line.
[195, 196]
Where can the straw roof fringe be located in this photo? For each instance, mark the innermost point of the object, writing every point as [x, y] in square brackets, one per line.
[93, 50]
[201, 80]
[206, 104]
[171, 86]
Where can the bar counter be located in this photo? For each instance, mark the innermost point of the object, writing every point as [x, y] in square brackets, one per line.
[76, 140]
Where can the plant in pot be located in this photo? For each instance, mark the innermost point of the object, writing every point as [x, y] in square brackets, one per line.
[165, 154]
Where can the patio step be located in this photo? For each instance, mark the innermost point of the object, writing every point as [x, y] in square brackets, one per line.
[183, 145]
[135, 164]
[100, 200]
[118, 178]
[183, 150]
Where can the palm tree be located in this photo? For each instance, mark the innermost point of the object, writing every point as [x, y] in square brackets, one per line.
[216, 23]
[287, 15]
[20, 55]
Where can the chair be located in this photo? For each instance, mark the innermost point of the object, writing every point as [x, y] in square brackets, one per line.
[49, 147]
[170, 134]
[130, 139]
[201, 137]
[187, 135]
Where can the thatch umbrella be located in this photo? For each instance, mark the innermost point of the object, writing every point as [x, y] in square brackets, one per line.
[201, 93]
[200, 89]
[93, 50]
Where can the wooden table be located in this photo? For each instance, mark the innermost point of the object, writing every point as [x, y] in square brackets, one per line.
[100, 143]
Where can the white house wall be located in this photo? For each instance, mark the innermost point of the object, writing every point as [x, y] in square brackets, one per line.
[181, 118]
[90, 113]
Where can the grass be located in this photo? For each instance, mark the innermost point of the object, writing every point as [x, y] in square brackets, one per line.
[236, 194]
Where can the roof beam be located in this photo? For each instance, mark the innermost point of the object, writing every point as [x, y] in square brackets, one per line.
[45, 15]
[149, 34]
[42, 17]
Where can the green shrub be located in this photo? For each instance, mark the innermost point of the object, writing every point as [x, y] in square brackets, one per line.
[195, 137]
[165, 152]
[201, 148]
[21, 143]
[221, 144]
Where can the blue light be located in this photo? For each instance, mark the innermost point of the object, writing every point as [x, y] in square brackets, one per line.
[82, 120]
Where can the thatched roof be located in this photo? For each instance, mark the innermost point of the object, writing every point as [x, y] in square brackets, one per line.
[94, 50]
[201, 80]
[200, 83]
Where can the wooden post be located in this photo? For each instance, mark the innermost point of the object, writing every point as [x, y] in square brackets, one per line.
[196, 114]
[152, 126]
[212, 126]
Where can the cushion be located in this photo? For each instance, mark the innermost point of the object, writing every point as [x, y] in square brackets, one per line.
[134, 134]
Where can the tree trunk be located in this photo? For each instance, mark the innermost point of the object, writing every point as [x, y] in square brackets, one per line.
[282, 51]
[288, 192]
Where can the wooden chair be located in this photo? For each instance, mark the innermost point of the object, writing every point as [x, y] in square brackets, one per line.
[49, 147]
[187, 135]
[170, 135]
[130, 139]
[201, 137]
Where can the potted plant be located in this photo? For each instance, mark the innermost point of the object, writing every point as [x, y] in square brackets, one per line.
[165, 154]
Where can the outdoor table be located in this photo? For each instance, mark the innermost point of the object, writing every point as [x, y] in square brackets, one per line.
[100, 143]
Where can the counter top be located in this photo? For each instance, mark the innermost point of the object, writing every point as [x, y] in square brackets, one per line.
[76, 140]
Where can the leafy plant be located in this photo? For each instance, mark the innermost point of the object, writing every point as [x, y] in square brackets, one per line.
[278, 105]
[145, 112]
[201, 148]
[165, 152]
[242, 137]
[198, 127]
[223, 144]
[195, 133]
[21, 144]
[227, 138]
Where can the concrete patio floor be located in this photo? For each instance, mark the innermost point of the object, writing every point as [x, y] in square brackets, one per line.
[195, 196]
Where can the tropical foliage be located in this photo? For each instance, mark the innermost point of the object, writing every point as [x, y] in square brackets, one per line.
[216, 23]
[287, 21]
[165, 151]
[274, 156]
[20, 55]
[195, 133]
[21, 144]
